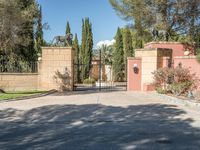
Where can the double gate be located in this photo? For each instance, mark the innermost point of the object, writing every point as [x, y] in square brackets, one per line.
[97, 77]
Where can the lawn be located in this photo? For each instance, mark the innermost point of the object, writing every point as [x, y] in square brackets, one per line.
[13, 95]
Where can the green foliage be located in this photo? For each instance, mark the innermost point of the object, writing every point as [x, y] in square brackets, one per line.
[76, 61]
[17, 22]
[86, 48]
[177, 81]
[14, 95]
[39, 32]
[198, 58]
[180, 87]
[89, 81]
[118, 58]
[68, 29]
[172, 16]
[106, 54]
[127, 44]
[161, 90]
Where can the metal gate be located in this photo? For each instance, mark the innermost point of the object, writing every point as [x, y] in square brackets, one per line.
[96, 77]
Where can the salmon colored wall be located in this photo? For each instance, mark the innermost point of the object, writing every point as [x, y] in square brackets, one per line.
[177, 48]
[134, 80]
[189, 62]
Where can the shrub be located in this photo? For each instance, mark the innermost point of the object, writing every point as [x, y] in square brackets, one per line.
[181, 87]
[162, 77]
[177, 81]
[198, 57]
[89, 81]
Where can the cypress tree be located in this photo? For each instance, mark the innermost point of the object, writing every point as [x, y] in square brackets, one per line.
[76, 61]
[39, 32]
[86, 48]
[127, 44]
[68, 29]
[128, 47]
[82, 52]
[118, 58]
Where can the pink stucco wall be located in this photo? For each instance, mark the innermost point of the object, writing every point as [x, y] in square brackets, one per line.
[134, 79]
[177, 48]
[189, 62]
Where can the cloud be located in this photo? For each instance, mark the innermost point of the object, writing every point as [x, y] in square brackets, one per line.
[106, 42]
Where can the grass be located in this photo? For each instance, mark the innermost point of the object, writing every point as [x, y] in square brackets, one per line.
[13, 95]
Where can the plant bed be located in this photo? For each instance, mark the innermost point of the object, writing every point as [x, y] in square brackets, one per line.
[194, 104]
[9, 96]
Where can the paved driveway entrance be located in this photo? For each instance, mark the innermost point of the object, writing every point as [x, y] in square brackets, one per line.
[100, 121]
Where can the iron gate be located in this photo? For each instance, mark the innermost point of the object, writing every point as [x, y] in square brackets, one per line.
[97, 77]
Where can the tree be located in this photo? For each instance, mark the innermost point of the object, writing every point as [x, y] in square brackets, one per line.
[68, 29]
[39, 32]
[77, 58]
[26, 48]
[17, 28]
[86, 48]
[127, 44]
[172, 16]
[10, 25]
[106, 54]
[137, 11]
[118, 58]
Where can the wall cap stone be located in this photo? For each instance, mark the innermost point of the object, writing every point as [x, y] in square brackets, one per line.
[134, 58]
[147, 49]
[163, 42]
[185, 57]
[57, 47]
[153, 49]
[19, 73]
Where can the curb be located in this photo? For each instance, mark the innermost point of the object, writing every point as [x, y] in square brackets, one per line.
[188, 103]
[28, 97]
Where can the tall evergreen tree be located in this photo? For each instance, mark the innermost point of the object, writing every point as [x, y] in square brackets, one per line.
[77, 58]
[27, 46]
[39, 32]
[127, 44]
[118, 58]
[68, 29]
[82, 51]
[86, 48]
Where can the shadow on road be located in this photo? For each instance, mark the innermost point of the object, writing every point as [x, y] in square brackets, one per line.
[96, 127]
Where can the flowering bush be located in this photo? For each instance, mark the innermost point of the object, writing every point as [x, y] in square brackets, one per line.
[177, 80]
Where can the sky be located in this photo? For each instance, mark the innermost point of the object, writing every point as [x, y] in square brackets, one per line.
[101, 14]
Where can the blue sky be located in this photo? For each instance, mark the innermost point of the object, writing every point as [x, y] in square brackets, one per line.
[104, 19]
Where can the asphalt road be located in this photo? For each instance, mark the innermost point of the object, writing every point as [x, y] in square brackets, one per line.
[98, 121]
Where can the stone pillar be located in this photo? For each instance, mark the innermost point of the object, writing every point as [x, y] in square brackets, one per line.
[56, 70]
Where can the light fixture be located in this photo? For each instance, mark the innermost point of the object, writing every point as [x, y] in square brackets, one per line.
[135, 68]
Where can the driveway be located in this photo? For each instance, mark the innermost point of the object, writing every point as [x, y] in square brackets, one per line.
[101, 121]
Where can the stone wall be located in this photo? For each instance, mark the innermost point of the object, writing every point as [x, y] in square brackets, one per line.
[55, 72]
[56, 68]
[178, 48]
[189, 62]
[18, 81]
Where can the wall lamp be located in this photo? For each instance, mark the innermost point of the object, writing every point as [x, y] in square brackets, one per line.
[135, 69]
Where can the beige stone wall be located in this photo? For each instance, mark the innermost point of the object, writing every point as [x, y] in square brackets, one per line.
[149, 64]
[18, 81]
[56, 60]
